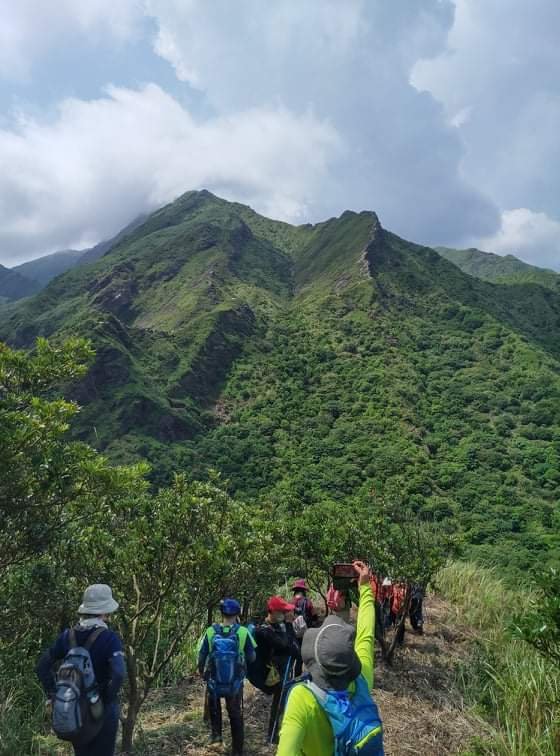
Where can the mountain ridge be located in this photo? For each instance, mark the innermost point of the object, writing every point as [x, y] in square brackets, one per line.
[318, 361]
[500, 269]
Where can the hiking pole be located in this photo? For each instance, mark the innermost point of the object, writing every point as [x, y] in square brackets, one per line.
[206, 714]
[279, 709]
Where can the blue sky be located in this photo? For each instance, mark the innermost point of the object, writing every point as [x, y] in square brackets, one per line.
[441, 115]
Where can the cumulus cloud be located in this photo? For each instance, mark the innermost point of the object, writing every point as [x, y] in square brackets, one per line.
[84, 175]
[442, 116]
[351, 63]
[533, 237]
[30, 28]
[498, 81]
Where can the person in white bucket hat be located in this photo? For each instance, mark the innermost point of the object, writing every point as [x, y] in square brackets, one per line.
[107, 659]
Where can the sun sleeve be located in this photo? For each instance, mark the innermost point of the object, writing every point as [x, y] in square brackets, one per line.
[365, 629]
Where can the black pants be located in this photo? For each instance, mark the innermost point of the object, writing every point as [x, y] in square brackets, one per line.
[416, 616]
[234, 706]
[104, 743]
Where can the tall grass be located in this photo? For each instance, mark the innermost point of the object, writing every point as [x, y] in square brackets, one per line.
[512, 687]
[22, 718]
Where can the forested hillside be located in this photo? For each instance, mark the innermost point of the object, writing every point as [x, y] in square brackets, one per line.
[500, 269]
[319, 363]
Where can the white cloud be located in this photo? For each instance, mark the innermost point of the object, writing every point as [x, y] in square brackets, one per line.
[501, 66]
[99, 163]
[533, 237]
[351, 62]
[30, 28]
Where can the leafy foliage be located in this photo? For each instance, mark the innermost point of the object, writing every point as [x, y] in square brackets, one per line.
[540, 624]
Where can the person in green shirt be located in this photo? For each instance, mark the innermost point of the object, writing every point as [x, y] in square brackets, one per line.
[225, 680]
[335, 655]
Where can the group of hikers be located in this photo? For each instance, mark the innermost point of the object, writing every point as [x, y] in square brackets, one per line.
[317, 671]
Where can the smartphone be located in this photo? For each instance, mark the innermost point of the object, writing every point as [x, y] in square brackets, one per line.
[342, 570]
[343, 576]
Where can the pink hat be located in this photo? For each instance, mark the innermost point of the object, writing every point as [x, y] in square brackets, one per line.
[300, 585]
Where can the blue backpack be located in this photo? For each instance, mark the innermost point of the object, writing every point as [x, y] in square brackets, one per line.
[226, 662]
[355, 720]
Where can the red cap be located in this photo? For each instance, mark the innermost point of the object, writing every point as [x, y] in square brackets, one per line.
[277, 604]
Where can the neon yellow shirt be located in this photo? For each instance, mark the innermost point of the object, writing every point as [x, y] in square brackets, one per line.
[306, 730]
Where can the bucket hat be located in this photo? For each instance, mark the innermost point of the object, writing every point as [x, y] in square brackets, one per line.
[98, 599]
[329, 655]
[300, 585]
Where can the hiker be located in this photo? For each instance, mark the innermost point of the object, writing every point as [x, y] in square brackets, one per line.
[305, 616]
[83, 693]
[416, 614]
[226, 648]
[375, 583]
[303, 605]
[340, 660]
[277, 651]
[386, 599]
[398, 609]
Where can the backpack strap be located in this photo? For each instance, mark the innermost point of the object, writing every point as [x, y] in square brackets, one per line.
[320, 694]
[72, 638]
[92, 637]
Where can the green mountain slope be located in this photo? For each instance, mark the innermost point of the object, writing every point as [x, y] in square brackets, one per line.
[44, 269]
[14, 285]
[498, 269]
[320, 362]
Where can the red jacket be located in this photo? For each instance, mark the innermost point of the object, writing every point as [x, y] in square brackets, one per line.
[399, 594]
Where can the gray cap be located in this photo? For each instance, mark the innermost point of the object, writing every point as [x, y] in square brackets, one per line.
[329, 655]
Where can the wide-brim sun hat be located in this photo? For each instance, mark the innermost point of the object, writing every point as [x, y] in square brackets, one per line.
[98, 599]
[300, 585]
[329, 656]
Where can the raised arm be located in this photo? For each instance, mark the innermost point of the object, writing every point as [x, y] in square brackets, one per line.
[365, 626]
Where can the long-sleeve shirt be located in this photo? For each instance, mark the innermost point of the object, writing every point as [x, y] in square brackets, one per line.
[107, 659]
[246, 644]
[306, 730]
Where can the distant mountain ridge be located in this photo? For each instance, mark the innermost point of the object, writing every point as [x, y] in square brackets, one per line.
[32, 276]
[319, 361]
[14, 286]
[500, 269]
[44, 269]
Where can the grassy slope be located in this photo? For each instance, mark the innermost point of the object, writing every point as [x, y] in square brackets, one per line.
[500, 269]
[505, 681]
[311, 362]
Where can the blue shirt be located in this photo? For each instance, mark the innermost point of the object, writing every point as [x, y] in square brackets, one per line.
[107, 658]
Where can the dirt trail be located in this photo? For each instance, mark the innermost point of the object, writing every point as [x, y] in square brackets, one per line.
[420, 704]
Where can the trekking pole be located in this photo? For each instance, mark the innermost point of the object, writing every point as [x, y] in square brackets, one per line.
[206, 714]
[279, 709]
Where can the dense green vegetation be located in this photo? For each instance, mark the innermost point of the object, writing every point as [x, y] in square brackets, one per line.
[500, 269]
[68, 518]
[320, 363]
